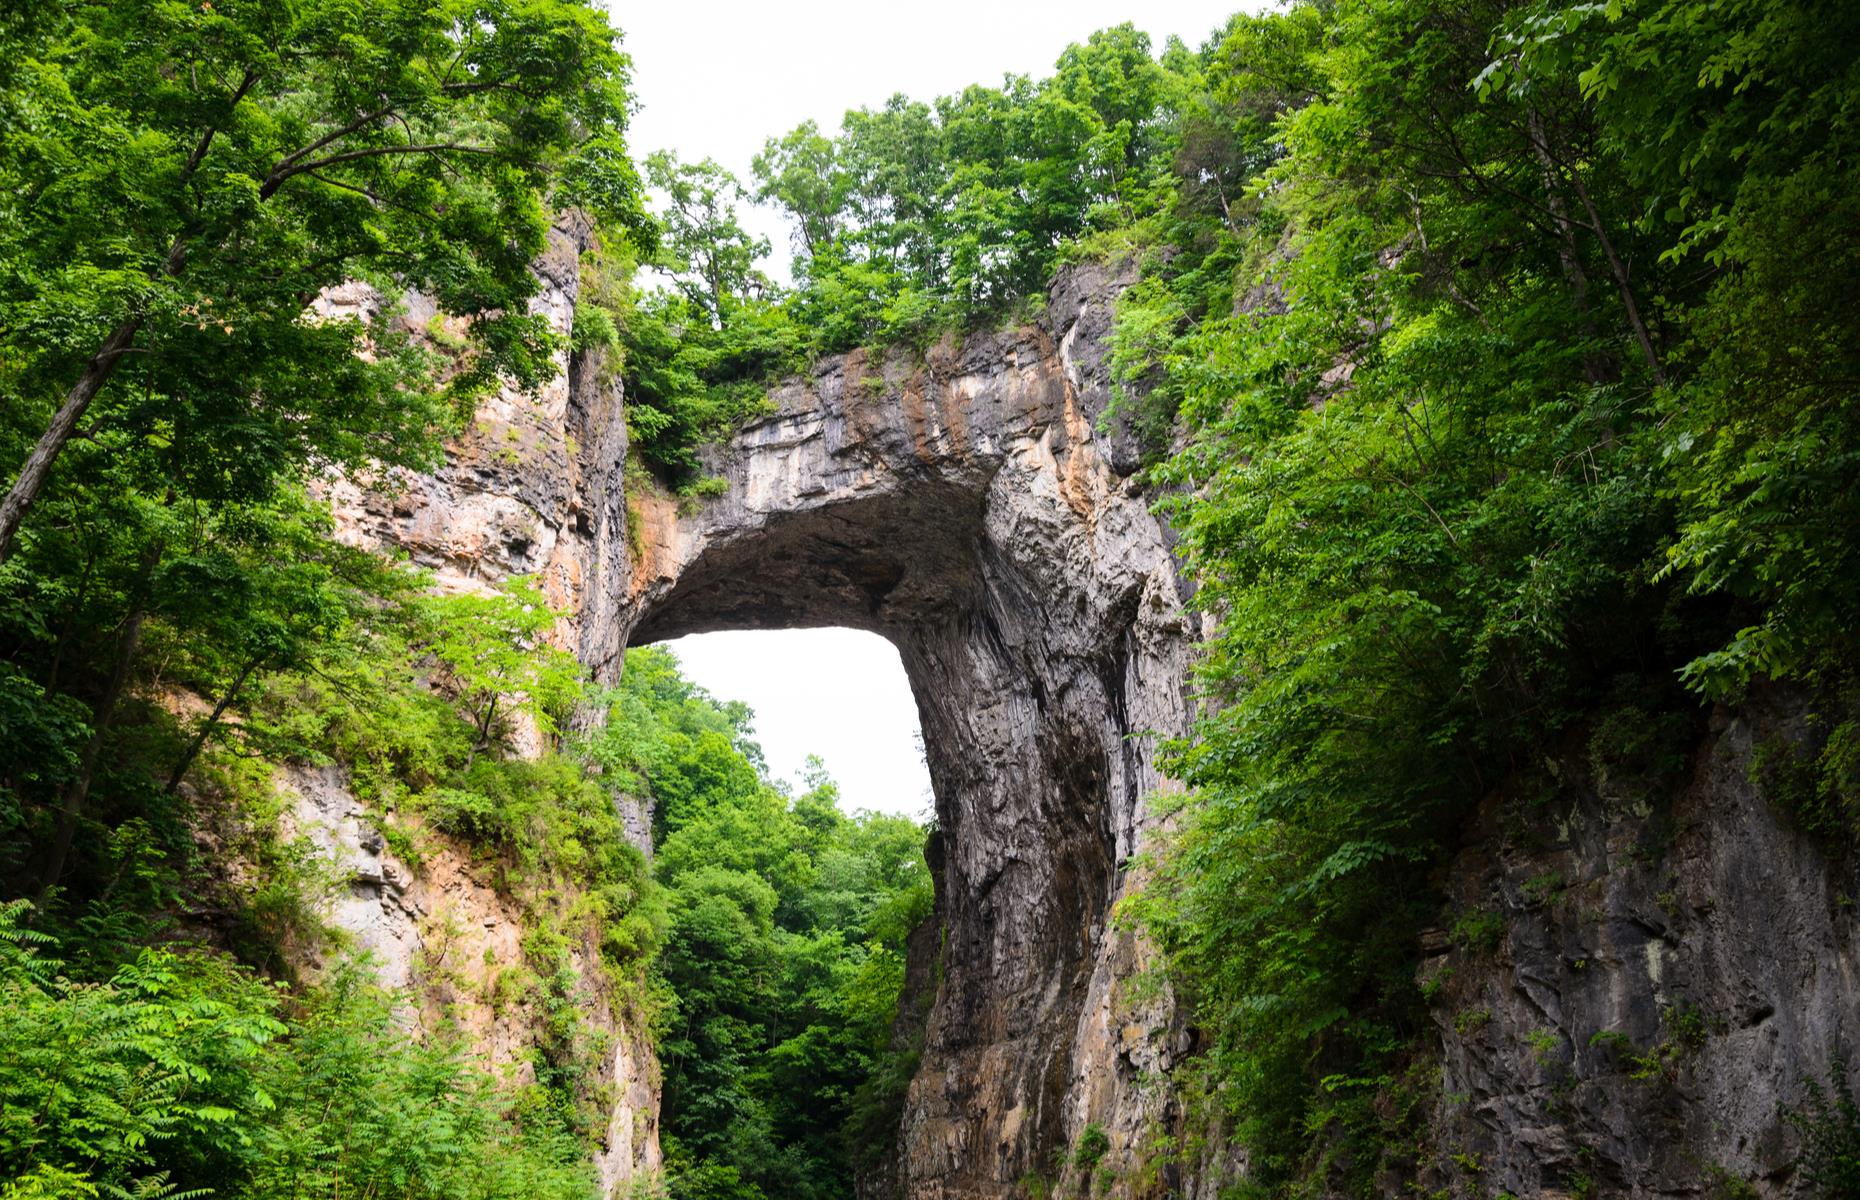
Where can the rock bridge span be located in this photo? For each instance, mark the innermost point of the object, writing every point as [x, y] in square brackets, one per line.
[962, 504]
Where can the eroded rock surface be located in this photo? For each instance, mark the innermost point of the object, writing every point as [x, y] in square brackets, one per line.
[450, 947]
[1645, 975]
[962, 505]
[531, 487]
[1648, 975]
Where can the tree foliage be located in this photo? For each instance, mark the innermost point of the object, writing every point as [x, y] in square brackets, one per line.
[1513, 378]
[184, 1075]
[184, 185]
[184, 180]
[783, 956]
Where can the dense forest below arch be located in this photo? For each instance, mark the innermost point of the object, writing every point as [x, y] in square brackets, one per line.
[1497, 359]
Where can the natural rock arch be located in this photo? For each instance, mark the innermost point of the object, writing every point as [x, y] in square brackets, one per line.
[962, 505]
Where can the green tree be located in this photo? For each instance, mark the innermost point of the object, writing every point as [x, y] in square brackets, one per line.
[1477, 322]
[706, 249]
[782, 961]
[182, 1073]
[185, 180]
[183, 183]
[699, 356]
[494, 650]
[800, 171]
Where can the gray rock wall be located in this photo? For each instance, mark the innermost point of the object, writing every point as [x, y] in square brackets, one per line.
[446, 942]
[1644, 977]
[962, 505]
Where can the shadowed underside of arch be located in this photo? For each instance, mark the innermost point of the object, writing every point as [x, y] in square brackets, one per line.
[968, 512]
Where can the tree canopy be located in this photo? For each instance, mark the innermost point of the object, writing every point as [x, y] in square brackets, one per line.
[183, 180]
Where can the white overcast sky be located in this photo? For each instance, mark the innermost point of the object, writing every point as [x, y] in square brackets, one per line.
[837, 693]
[714, 80]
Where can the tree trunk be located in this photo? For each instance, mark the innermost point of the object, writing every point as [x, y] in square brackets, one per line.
[101, 366]
[1619, 270]
[483, 740]
[1594, 368]
[206, 731]
[72, 613]
[31, 479]
[71, 804]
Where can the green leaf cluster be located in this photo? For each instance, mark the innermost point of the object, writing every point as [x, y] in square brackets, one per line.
[783, 958]
[920, 217]
[181, 1074]
[194, 195]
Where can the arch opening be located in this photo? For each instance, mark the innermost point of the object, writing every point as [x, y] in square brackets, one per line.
[831, 693]
[1018, 667]
[958, 503]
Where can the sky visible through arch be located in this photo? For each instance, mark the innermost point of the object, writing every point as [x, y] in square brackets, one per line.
[837, 693]
[717, 79]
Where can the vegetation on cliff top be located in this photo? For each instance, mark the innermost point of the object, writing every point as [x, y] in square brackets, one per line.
[916, 220]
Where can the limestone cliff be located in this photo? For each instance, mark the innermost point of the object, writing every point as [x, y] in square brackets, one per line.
[531, 487]
[961, 504]
[1646, 971]
[1629, 984]
[447, 941]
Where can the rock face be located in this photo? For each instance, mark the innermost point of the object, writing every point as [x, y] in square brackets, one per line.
[1654, 970]
[1631, 981]
[532, 487]
[450, 945]
[962, 506]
